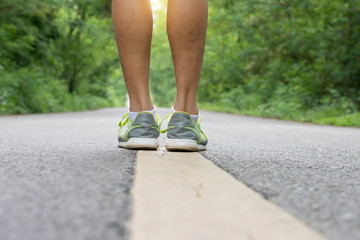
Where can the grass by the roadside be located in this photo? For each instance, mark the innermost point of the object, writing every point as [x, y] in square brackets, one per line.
[321, 115]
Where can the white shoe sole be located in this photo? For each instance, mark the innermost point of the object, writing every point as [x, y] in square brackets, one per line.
[140, 143]
[183, 145]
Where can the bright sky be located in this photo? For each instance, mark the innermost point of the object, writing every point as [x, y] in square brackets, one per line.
[156, 4]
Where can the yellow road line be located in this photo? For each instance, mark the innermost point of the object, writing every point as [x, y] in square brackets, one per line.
[184, 196]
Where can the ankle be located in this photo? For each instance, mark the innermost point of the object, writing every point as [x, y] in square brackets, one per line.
[132, 115]
[192, 109]
[140, 106]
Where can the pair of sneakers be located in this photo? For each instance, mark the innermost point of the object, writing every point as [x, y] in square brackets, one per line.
[182, 133]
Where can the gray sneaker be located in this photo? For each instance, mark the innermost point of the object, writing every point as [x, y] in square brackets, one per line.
[183, 134]
[142, 133]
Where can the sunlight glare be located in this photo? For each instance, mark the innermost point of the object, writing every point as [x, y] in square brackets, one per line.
[156, 5]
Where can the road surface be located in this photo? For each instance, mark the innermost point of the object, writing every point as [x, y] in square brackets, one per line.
[63, 177]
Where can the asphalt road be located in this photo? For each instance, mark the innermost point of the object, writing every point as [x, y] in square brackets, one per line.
[63, 177]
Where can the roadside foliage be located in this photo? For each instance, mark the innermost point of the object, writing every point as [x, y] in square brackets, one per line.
[297, 59]
[57, 55]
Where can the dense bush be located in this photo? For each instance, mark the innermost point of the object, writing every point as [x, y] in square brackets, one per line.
[295, 59]
[57, 56]
[285, 59]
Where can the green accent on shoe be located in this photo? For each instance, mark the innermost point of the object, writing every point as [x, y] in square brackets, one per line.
[144, 126]
[181, 126]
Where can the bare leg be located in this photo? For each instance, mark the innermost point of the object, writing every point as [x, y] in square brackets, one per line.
[186, 26]
[133, 31]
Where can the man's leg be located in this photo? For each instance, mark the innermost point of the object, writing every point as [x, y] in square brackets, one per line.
[186, 26]
[133, 30]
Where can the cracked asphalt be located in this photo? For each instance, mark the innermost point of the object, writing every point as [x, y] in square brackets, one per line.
[63, 177]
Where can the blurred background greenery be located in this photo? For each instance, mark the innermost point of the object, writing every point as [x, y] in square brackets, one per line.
[290, 59]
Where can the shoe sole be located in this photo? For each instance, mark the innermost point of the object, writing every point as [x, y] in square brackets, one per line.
[183, 145]
[140, 143]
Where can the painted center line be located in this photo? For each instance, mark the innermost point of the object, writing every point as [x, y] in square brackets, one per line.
[185, 196]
